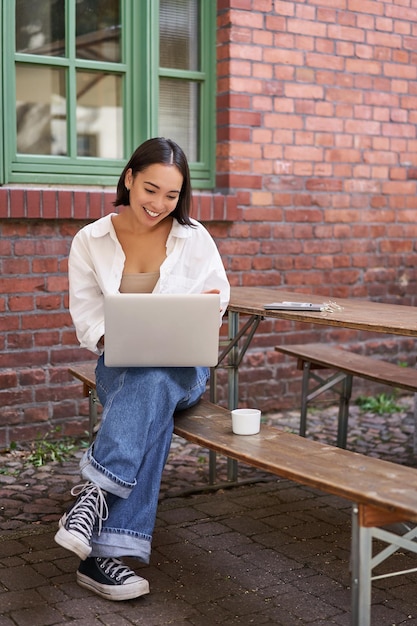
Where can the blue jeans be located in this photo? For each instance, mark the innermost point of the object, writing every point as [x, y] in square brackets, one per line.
[131, 448]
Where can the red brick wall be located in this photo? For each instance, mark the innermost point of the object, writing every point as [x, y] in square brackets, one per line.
[316, 191]
[317, 137]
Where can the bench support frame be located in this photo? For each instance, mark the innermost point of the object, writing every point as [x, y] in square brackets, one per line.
[93, 401]
[366, 522]
[233, 355]
[345, 393]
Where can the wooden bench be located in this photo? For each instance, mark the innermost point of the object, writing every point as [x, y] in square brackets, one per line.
[318, 356]
[382, 493]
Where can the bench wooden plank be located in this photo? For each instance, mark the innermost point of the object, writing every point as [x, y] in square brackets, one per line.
[340, 472]
[85, 372]
[353, 476]
[367, 367]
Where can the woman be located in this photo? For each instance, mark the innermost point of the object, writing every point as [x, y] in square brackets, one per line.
[151, 245]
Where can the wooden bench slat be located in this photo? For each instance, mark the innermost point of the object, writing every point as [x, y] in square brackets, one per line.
[85, 372]
[370, 368]
[353, 476]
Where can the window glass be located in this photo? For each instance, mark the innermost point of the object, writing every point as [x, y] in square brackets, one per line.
[98, 30]
[40, 27]
[41, 110]
[86, 81]
[44, 92]
[183, 98]
[99, 115]
[179, 34]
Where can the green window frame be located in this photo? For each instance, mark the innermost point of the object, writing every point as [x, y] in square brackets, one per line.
[140, 74]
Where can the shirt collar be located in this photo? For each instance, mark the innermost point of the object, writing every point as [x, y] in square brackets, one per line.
[103, 226]
[178, 230]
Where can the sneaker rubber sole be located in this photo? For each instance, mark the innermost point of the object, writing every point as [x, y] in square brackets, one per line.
[72, 541]
[127, 591]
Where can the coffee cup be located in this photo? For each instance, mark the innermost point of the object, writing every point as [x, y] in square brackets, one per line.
[246, 421]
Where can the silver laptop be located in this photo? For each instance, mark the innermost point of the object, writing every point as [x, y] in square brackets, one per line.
[161, 330]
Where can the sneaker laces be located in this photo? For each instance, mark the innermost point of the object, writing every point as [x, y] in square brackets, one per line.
[90, 506]
[115, 569]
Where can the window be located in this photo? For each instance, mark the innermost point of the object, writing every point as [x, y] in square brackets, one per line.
[86, 81]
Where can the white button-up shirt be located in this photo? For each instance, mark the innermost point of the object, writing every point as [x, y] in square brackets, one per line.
[96, 263]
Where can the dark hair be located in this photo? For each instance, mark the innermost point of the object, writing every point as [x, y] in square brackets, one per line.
[167, 152]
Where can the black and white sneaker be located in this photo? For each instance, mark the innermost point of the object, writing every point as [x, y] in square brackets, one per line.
[76, 526]
[111, 579]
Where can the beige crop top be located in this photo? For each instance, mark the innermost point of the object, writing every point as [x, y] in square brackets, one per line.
[139, 283]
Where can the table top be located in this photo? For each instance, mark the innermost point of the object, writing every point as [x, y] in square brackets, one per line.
[359, 314]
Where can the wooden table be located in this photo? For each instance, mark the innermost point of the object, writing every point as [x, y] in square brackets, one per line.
[249, 302]
[354, 313]
[359, 314]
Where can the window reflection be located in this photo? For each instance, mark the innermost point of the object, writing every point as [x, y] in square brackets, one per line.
[42, 99]
[98, 30]
[179, 34]
[183, 98]
[99, 115]
[40, 27]
[41, 110]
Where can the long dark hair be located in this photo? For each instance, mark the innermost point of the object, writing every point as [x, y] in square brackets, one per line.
[166, 152]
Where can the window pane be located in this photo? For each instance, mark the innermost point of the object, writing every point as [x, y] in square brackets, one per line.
[99, 115]
[179, 28]
[41, 110]
[40, 27]
[98, 30]
[179, 114]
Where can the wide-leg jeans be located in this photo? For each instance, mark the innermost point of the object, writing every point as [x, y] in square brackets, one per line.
[131, 449]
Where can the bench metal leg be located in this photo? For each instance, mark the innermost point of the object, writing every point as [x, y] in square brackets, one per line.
[234, 352]
[354, 564]
[365, 528]
[92, 413]
[212, 453]
[324, 385]
[415, 425]
[304, 398]
[344, 411]
[361, 571]
[232, 465]
[233, 386]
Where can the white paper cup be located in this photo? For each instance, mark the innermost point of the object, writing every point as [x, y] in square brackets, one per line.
[246, 421]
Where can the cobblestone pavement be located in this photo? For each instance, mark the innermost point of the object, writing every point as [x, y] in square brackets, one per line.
[270, 552]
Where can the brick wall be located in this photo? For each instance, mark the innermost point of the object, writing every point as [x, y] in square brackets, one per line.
[317, 136]
[37, 339]
[316, 191]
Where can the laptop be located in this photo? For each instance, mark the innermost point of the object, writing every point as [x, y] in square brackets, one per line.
[161, 330]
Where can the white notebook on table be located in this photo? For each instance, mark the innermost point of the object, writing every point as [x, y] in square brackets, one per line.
[161, 330]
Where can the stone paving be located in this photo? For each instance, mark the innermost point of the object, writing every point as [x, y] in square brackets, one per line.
[270, 552]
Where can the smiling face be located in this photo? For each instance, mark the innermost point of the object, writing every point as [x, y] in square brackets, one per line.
[154, 192]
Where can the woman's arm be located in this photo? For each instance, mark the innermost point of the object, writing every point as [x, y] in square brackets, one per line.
[86, 297]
